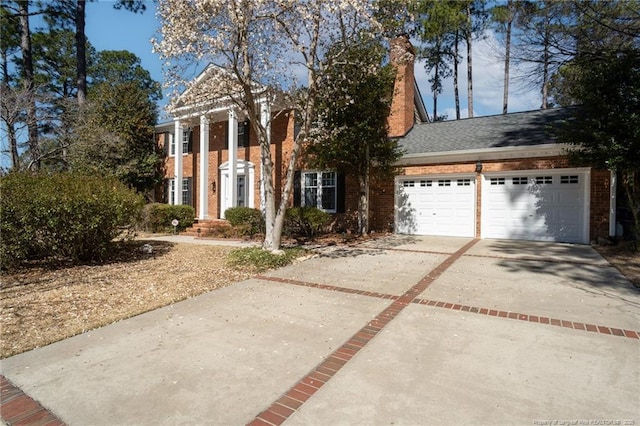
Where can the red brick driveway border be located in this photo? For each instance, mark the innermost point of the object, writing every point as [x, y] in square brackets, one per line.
[18, 408]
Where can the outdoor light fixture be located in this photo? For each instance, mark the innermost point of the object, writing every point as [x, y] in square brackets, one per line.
[479, 167]
[213, 186]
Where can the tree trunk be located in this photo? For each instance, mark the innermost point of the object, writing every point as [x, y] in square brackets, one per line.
[545, 73]
[469, 65]
[9, 122]
[81, 55]
[435, 92]
[27, 75]
[631, 185]
[456, 93]
[363, 198]
[507, 53]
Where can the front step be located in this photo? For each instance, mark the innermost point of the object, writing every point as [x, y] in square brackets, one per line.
[208, 228]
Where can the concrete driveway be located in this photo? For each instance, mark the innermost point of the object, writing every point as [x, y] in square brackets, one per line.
[403, 330]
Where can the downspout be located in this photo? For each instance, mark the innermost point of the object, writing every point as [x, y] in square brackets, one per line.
[612, 203]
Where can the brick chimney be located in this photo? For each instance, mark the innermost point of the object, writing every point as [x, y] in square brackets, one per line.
[402, 56]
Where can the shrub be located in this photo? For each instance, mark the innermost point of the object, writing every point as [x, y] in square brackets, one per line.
[157, 217]
[262, 260]
[246, 220]
[70, 216]
[305, 221]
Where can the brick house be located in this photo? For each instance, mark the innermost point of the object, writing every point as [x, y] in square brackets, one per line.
[499, 176]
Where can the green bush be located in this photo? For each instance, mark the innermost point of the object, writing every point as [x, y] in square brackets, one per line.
[157, 217]
[305, 221]
[246, 220]
[261, 260]
[67, 216]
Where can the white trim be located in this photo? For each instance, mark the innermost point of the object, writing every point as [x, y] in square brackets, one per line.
[203, 210]
[243, 168]
[233, 157]
[485, 154]
[586, 186]
[178, 166]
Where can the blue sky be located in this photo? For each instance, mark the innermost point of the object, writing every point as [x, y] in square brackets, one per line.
[110, 29]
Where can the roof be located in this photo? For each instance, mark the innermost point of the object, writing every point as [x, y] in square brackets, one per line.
[519, 129]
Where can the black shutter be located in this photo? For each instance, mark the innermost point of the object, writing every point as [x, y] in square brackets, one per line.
[165, 144]
[340, 193]
[297, 189]
[190, 143]
[226, 136]
[165, 194]
[246, 134]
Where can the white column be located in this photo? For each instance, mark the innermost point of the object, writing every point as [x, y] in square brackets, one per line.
[232, 191]
[177, 174]
[265, 120]
[204, 168]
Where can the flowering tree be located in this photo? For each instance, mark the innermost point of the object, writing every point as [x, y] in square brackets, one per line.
[263, 48]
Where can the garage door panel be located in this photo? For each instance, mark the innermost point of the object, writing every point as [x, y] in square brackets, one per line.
[545, 206]
[439, 207]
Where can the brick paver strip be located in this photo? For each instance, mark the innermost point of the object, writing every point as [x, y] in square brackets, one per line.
[301, 391]
[533, 318]
[16, 407]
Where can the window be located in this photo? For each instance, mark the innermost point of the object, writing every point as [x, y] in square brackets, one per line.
[409, 183]
[186, 138]
[186, 143]
[243, 134]
[170, 144]
[541, 180]
[426, 183]
[319, 190]
[520, 180]
[569, 179]
[186, 191]
[497, 181]
[464, 182]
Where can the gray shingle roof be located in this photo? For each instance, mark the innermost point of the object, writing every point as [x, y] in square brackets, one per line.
[495, 131]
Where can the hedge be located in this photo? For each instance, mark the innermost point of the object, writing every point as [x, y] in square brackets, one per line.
[157, 217]
[63, 215]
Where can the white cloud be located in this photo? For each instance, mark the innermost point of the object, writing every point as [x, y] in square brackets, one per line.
[488, 78]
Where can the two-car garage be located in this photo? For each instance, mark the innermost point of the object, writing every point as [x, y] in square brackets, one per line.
[539, 205]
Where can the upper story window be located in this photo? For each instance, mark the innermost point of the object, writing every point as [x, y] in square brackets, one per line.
[186, 142]
[243, 135]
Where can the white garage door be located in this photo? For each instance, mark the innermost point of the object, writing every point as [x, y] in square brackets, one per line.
[436, 206]
[536, 205]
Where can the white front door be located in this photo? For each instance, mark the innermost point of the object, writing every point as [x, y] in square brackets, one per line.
[436, 206]
[243, 187]
[539, 205]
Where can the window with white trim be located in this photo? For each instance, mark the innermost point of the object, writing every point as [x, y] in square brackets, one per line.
[497, 181]
[542, 180]
[319, 190]
[186, 191]
[186, 143]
